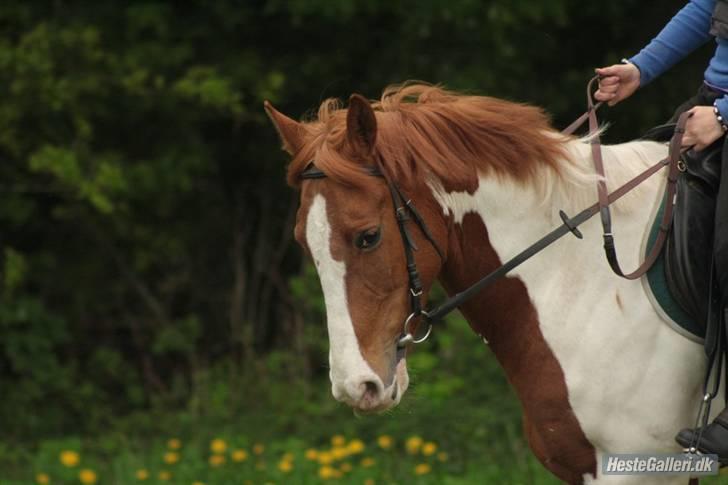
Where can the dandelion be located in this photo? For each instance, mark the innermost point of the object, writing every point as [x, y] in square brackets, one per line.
[325, 458]
[345, 467]
[423, 469]
[413, 444]
[87, 477]
[171, 457]
[369, 481]
[258, 449]
[367, 462]
[239, 455]
[164, 476]
[326, 472]
[442, 456]
[285, 466]
[429, 448]
[311, 454]
[339, 452]
[174, 444]
[216, 460]
[69, 458]
[385, 442]
[355, 446]
[338, 440]
[142, 474]
[218, 446]
[198, 483]
[287, 457]
[42, 479]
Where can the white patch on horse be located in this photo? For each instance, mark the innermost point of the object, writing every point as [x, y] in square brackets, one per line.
[632, 381]
[348, 367]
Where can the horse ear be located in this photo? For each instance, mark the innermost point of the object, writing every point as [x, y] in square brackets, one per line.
[290, 131]
[361, 125]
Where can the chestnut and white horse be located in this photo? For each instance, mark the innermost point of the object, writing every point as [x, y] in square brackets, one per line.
[595, 368]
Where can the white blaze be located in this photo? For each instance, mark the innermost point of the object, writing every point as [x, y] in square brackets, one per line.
[348, 367]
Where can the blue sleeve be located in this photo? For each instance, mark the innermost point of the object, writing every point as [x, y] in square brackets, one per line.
[687, 31]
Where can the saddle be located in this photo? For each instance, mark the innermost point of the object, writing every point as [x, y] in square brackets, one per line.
[688, 250]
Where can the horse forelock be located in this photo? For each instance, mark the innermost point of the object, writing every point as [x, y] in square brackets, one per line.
[425, 131]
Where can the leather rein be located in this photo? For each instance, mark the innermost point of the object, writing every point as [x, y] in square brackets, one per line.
[405, 211]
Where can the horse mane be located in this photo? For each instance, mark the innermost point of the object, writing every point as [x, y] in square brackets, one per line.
[423, 128]
[426, 132]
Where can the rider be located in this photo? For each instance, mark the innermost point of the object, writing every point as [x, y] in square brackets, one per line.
[691, 27]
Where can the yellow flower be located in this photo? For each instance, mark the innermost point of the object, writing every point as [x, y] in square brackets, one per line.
[239, 455]
[338, 440]
[171, 457]
[429, 448]
[345, 467]
[423, 469]
[165, 476]
[285, 466]
[218, 446]
[311, 454]
[142, 474]
[198, 483]
[326, 472]
[369, 481]
[216, 460]
[367, 462]
[287, 457]
[325, 458]
[338, 453]
[385, 442]
[69, 458]
[442, 456]
[413, 444]
[174, 444]
[87, 477]
[355, 446]
[258, 449]
[42, 479]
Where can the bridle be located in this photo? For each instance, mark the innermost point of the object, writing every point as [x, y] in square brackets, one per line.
[404, 211]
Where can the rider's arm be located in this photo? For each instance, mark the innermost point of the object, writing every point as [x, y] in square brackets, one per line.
[687, 31]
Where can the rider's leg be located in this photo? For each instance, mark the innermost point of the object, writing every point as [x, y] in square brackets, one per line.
[714, 439]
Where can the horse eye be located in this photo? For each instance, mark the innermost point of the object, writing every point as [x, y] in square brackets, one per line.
[369, 239]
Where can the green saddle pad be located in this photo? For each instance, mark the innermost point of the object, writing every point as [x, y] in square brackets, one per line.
[656, 286]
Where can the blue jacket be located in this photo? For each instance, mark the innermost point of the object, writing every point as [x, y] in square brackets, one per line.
[688, 30]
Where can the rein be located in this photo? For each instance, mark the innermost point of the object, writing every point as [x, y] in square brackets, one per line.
[405, 211]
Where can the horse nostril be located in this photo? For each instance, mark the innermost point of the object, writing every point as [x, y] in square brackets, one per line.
[371, 390]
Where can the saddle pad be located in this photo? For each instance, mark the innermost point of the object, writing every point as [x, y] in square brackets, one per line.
[655, 285]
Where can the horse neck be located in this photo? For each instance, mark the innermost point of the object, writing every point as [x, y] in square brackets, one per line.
[502, 313]
[502, 217]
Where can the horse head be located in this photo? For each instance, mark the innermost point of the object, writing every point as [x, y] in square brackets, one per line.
[346, 223]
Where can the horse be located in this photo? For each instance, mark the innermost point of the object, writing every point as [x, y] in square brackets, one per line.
[595, 368]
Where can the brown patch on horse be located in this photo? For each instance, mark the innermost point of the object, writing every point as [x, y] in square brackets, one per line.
[425, 130]
[505, 316]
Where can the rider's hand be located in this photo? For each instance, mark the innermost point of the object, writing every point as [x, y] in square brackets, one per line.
[617, 82]
[702, 128]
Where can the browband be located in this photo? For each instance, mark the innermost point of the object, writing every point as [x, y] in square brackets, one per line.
[312, 172]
